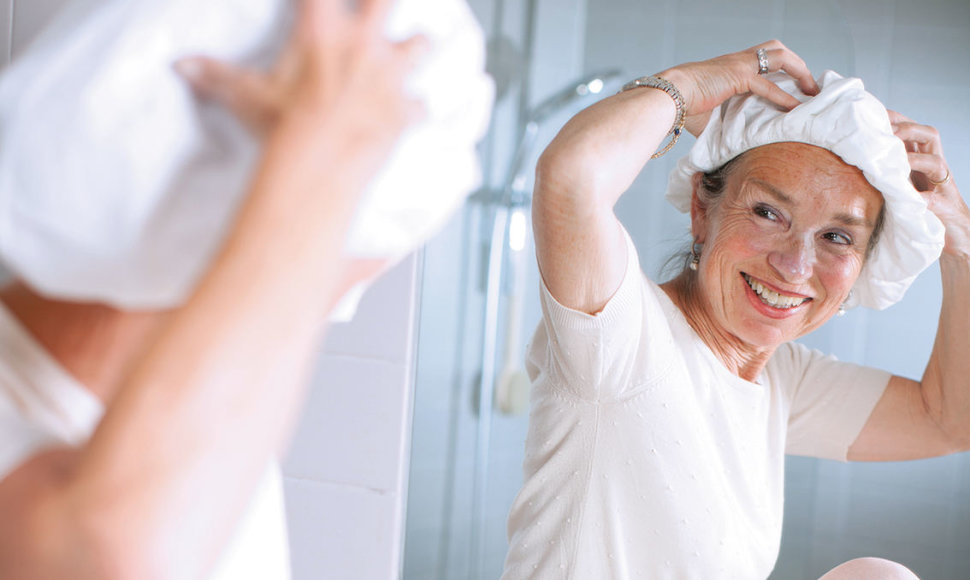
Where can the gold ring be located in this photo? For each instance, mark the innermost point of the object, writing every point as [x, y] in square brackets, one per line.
[944, 181]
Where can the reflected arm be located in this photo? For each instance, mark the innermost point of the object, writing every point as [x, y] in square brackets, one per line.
[914, 420]
[579, 178]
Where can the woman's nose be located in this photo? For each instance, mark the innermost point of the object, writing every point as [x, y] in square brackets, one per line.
[794, 261]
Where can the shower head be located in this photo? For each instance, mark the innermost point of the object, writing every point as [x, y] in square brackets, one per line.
[591, 84]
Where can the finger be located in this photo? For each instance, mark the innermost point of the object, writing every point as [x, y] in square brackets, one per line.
[415, 111]
[324, 30]
[896, 117]
[789, 62]
[321, 20]
[933, 167]
[782, 58]
[211, 78]
[695, 124]
[769, 90]
[414, 50]
[192, 70]
[921, 138]
[247, 94]
[290, 62]
[374, 13]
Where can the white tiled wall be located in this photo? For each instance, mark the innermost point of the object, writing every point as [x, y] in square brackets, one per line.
[345, 475]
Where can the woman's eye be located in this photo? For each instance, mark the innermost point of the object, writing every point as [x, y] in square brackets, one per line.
[765, 212]
[838, 238]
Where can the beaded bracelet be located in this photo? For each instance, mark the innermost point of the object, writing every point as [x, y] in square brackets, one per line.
[668, 87]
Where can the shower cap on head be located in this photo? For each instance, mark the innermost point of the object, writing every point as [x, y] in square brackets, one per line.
[118, 186]
[853, 124]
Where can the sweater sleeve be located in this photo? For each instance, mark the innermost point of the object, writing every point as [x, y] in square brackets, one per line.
[829, 400]
[599, 357]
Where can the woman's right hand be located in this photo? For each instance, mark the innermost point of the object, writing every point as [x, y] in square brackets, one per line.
[706, 84]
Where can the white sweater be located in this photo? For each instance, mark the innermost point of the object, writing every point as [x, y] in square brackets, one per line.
[647, 458]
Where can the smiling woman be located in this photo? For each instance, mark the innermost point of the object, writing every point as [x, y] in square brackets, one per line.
[662, 413]
[785, 243]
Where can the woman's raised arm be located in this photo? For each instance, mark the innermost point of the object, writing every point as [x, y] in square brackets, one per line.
[600, 151]
[931, 417]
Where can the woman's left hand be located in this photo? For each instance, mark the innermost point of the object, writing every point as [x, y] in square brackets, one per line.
[255, 97]
[932, 177]
[258, 98]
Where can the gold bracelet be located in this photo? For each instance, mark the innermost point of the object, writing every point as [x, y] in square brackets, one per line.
[668, 87]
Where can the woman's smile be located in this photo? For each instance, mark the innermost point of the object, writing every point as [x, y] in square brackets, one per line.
[777, 300]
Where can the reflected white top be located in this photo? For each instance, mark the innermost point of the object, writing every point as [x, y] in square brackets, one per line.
[647, 458]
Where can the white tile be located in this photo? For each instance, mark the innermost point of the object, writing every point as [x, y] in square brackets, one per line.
[890, 516]
[354, 425]
[6, 30]
[383, 327]
[823, 42]
[963, 482]
[912, 53]
[793, 557]
[342, 533]
[935, 477]
[615, 39]
[917, 313]
[941, 13]
[30, 16]
[422, 552]
[557, 44]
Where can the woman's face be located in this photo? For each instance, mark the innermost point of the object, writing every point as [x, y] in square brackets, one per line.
[784, 244]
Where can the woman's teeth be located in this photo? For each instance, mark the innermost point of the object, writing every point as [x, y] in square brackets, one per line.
[772, 298]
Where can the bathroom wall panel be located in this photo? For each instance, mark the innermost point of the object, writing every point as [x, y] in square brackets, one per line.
[871, 23]
[387, 305]
[30, 16]
[918, 62]
[345, 472]
[937, 13]
[353, 424]
[342, 532]
[6, 30]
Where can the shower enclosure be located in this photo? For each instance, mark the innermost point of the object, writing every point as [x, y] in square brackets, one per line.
[480, 304]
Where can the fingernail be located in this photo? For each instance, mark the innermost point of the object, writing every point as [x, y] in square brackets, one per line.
[188, 68]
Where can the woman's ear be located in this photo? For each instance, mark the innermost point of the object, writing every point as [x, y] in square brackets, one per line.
[698, 209]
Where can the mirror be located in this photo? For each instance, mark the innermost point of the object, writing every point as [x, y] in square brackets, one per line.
[467, 445]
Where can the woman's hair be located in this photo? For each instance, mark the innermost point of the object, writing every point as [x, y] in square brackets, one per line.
[712, 188]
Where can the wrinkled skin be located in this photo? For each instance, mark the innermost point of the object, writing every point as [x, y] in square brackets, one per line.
[794, 218]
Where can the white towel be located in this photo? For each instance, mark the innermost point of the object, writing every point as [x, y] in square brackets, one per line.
[117, 185]
[850, 122]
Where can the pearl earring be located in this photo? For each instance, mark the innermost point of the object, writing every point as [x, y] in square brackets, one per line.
[842, 306]
[695, 257]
